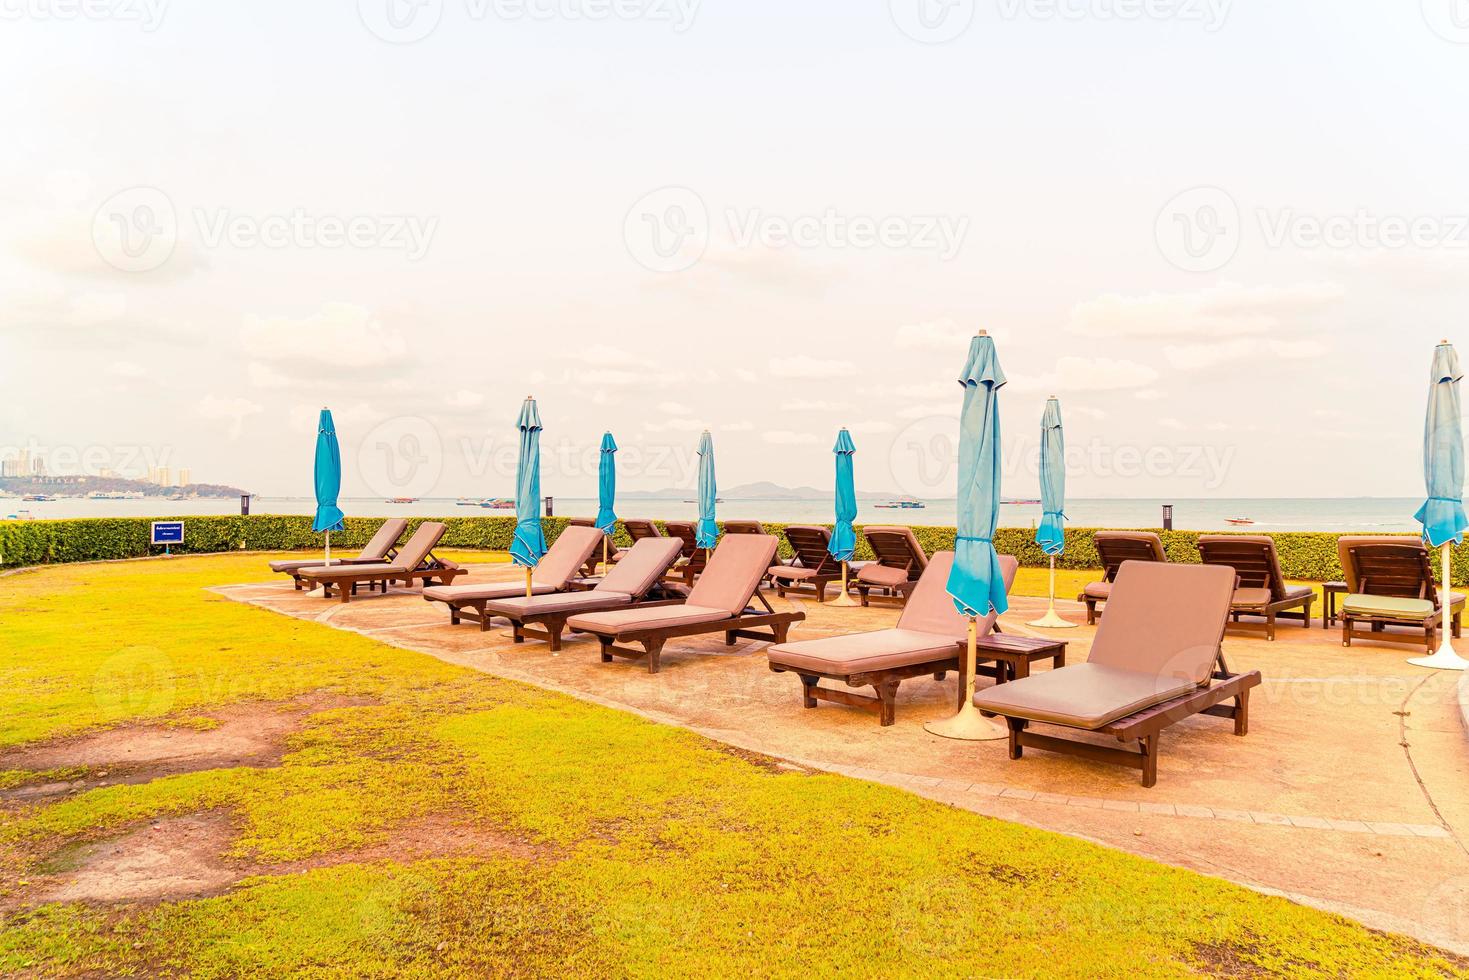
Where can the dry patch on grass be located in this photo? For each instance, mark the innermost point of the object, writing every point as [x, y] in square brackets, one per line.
[249, 734]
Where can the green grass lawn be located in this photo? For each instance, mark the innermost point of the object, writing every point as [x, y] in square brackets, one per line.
[633, 848]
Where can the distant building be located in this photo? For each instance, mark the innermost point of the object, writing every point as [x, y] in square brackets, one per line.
[184, 476]
[38, 467]
[9, 467]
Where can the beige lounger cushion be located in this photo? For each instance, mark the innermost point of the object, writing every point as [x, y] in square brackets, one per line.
[558, 602]
[1085, 695]
[792, 572]
[298, 564]
[641, 566]
[387, 535]
[883, 575]
[734, 572]
[415, 550]
[485, 590]
[566, 557]
[658, 617]
[1387, 606]
[1259, 598]
[859, 652]
[1098, 590]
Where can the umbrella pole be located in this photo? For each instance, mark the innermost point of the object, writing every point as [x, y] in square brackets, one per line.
[1445, 658]
[605, 536]
[1052, 620]
[844, 598]
[527, 582]
[969, 724]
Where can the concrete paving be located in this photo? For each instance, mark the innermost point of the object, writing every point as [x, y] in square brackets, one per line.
[1350, 793]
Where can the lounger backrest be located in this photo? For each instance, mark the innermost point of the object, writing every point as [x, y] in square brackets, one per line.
[897, 547]
[684, 531]
[641, 567]
[810, 542]
[734, 572]
[564, 558]
[930, 608]
[1252, 556]
[1165, 619]
[1116, 547]
[743, 527]
[424, 540]
[1387, 566]
[638, 529]
[382, 542]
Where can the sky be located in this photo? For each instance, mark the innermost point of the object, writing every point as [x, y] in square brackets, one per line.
[1226, 235]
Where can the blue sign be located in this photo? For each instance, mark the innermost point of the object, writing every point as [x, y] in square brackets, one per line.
[168, 532]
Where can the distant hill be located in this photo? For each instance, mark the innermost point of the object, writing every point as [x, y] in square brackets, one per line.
[762, 490]
[80, 486]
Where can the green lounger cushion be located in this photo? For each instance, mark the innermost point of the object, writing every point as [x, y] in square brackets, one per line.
[1392, 607]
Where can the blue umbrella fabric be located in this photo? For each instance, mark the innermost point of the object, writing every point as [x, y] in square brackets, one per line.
[706, 532]
[530, 541]
[976, 583]
[1051, 535]
[1442, 514]
[844, 536]
[329, 516]
[607, 485]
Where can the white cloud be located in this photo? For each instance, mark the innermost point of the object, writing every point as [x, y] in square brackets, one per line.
[213, 408]
[265, 376]
[1150, 395]
[126, 369]
[815, 405]
[674, 408]
[783, 437]
[810, 368]
[348, 418]
[923, 410]
[1195, 357]
[737, 427]
[605, 355]
[1084, 411]
[339, 335]
[1226, 310]
[942, 335]
[1072, 373]
[871, 428]
[676, 425]
[1173, 424]
[464, 399]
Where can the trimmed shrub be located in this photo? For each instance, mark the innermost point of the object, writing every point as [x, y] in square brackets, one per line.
[1309, 556]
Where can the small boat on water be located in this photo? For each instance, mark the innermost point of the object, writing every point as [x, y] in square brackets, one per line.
[1238, 521]
[1021, 503]
[467, 502]
[499, 503]
[402, 500]
[37, 498]
[908, 503]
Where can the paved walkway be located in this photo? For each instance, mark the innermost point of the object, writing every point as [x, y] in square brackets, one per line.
[1350, 793]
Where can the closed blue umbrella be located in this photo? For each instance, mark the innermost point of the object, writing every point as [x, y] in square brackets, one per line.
[1442, 514]
[1051, 535]
[976, 583]
[843, 536]
[328, 473]
[530, 541]
[607, 492]
[706, 532]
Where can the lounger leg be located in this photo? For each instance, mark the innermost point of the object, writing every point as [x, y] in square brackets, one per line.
[1091, 614]
[821, 591]
[1242, 713]
[516, 634]
[1150, 760]
[655, 653]
[605, 644]
[1346, 632]
[1017, 725]
[453, 616]
[808, 683]
[887, 693]
[862, 591]
[554, 629]
[1456, 625]
[729, 638]
[1270, 626]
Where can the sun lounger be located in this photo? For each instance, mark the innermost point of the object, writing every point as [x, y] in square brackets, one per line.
[1262, 589]
[743, 527]
[900, 561]
[719, 603]
[1390, 583]
[812, 565]
[638, 528]
[633, 580]
[614, 553]
[415, 561]
[924, 643]
[693, 558]
[379, 551]
[1156, 660]
[1114, 548]
[553, 573]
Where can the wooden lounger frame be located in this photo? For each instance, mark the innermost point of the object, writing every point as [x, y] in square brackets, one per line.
[890, 555]
[694, 557]
[1144, 727]
[550, 626]
[652, 639]
[883, 682]
[743, 527]
[1401, 571]
[431, 571]
[392, 553]
[1113, 550]
[589, 567]
[809, 540]
[1253, 569]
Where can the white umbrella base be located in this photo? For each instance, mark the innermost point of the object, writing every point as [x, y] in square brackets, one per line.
[969, 725]
[1052, 621]
[1444, 659]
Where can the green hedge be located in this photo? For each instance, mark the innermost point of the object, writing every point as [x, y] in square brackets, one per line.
[1309, 556]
